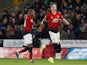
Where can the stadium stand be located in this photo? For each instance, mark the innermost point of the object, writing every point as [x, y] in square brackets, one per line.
[75, 11]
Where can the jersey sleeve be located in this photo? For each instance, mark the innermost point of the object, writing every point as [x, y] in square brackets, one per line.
[25, 21]
[61, 16]
[31, 20]
[46, 17]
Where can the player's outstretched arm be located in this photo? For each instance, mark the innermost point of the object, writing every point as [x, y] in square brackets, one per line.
[44, 20]
[65, 21]
[42, 25]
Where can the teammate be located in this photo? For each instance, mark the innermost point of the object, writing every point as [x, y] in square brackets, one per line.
[28, 40]
[53, 18]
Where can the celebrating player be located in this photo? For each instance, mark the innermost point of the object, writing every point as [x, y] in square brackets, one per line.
[28, 34]
[53, 18]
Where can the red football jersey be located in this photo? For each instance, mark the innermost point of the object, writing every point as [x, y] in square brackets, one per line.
[28, 24]
[52, 19]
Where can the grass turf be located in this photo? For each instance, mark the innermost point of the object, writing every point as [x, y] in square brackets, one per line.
[41, 62]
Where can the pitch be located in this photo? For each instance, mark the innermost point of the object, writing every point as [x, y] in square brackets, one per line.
[41, 62]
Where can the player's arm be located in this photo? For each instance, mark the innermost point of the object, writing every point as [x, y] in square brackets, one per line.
[44, 20]
[34, 25]
[65, 21]
[42, 25]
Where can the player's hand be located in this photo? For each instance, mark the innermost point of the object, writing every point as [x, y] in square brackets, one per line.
[59, 19]
[41, 28]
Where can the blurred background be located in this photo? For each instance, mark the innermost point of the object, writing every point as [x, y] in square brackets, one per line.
[12, 14]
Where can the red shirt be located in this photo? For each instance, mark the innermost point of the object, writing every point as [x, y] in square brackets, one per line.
[28, 24]
[52, 19]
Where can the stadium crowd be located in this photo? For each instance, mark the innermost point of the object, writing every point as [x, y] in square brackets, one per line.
[75, 11]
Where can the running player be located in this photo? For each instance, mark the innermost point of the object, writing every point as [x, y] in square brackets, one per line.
[54, 18]
[28, 40]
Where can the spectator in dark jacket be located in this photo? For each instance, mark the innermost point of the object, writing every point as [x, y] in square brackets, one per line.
[83, 33]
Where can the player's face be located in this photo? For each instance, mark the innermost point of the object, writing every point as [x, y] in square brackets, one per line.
[53, 8]
[33, 13]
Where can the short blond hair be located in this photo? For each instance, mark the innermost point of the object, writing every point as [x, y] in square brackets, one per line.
[51, 4]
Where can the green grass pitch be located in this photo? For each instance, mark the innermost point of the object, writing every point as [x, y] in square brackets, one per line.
[41, 62]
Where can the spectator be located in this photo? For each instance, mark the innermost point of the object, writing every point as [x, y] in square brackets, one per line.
[64, 5]
[70, 32]
[36, 5]
[70, 4]
[63, 33]
[83, 33]
[2, 35]
[5, 22]
[21, 19]
[8, 31]
[5, 14]
[76, 23]
[13, 22]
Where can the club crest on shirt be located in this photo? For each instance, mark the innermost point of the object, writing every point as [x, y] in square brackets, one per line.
[51, 17]
[31, 20]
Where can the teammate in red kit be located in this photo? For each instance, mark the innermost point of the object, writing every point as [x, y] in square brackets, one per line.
[54, 18]
[28, 40]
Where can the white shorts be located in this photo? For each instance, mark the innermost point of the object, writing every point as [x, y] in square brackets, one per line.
[27, 39]
[55, 37]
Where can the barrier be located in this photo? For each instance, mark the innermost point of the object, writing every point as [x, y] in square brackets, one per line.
[10, 53]
[13, 43]
[77, 54]
[64, 43]
[66, 53]
[71, 49]
[73, 43]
